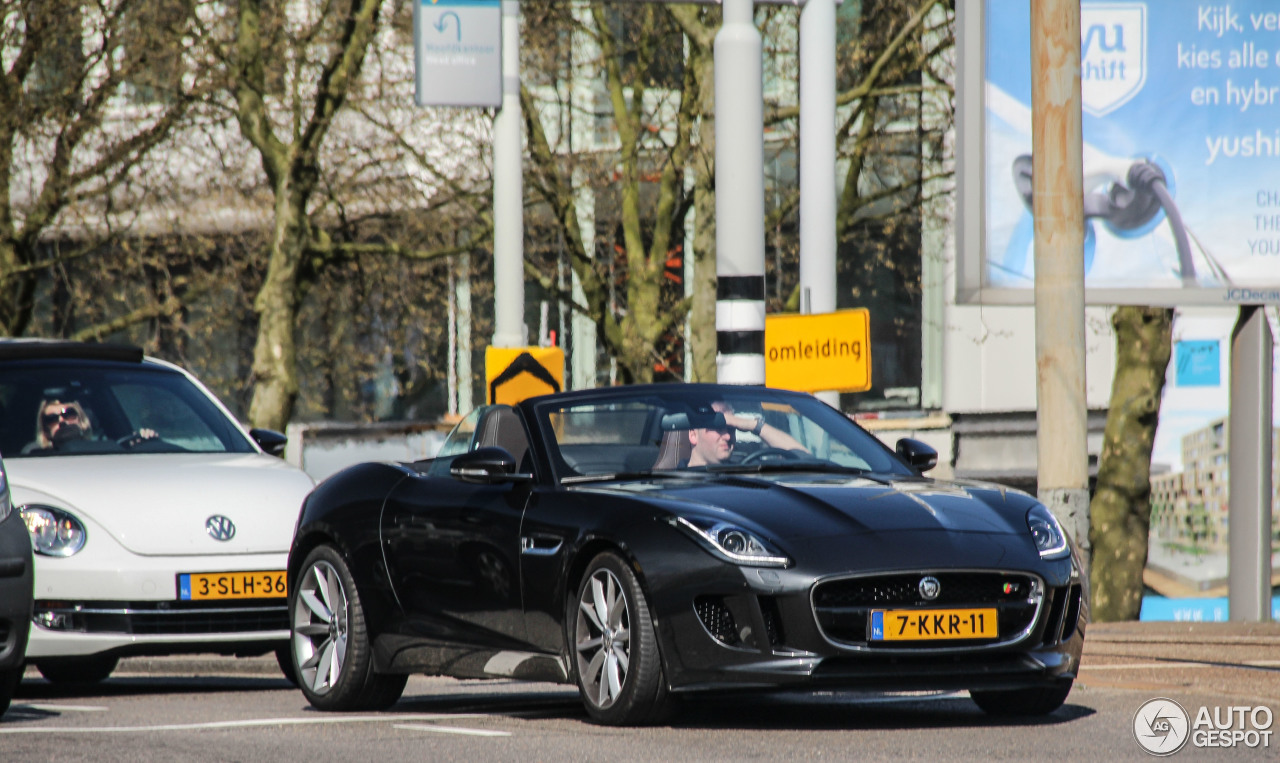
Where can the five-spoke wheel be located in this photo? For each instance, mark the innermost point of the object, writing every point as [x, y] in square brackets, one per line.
[615, 651]
[332, 657]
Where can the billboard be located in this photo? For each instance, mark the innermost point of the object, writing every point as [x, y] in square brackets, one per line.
[1181, 154]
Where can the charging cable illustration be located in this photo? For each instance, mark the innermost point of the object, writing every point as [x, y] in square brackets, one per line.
[1130, 198]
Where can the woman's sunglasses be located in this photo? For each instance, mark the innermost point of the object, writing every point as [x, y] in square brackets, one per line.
[66, 413]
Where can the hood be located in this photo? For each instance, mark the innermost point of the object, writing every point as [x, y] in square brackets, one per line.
[157, 504]
[794, 506]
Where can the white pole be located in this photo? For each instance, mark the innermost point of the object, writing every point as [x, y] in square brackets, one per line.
[739, 197]
[508, 192]
[818, 160]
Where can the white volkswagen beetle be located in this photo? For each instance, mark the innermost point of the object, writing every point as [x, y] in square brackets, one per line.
[159, 525]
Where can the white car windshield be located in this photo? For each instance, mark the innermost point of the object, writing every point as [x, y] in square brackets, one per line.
[76, 408]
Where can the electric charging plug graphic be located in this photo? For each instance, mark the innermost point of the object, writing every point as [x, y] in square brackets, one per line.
[1130, 198]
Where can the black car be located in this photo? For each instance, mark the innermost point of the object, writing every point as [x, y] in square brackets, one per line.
[16, 578]
[651, 541]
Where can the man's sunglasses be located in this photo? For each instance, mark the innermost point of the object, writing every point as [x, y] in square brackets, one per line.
[66, 413]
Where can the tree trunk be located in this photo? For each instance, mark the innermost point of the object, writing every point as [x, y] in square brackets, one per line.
[1120, 512]
[702, 314]
[275, 376]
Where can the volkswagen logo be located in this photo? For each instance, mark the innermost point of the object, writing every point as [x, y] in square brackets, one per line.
[221, 528]
[929, 588]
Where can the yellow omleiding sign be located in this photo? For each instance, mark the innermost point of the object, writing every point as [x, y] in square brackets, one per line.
[512, 374]
[816, 353]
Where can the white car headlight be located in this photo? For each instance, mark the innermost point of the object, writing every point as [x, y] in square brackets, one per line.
[54, 532]
[733, 543]
[1050, 540]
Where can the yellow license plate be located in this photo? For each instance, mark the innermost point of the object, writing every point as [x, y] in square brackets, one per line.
[232, 585]
[933, 624]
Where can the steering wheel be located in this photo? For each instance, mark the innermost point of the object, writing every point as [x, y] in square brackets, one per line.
[773, 454]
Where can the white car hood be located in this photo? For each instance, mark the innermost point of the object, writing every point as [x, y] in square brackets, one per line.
[157, 504]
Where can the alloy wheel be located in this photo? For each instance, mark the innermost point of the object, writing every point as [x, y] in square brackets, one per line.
[603, 638]
[320, 625]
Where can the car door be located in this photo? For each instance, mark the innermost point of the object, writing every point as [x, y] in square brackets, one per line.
[453, 553]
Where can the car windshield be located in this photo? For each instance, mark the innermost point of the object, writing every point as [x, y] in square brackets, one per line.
[66, 408]
[660, 429]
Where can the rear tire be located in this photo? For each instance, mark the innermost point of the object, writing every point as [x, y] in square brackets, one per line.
[1035, 701]
[329, 643]
[71, 671]
[614, 658]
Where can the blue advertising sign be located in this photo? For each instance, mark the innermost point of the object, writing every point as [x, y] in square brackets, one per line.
[1199, 363]
[1181, 123]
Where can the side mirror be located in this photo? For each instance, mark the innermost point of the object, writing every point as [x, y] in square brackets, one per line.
[487, 465]
[271, 441]
[919, 455]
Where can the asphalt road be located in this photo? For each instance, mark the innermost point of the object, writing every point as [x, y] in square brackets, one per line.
[222, 709]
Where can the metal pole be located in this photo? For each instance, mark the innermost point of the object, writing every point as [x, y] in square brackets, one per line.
[1058, 188]
[818, 159]
[739, 197]
[1249, 462]
[508, 193]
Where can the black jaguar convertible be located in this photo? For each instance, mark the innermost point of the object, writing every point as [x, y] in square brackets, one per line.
[651, 542]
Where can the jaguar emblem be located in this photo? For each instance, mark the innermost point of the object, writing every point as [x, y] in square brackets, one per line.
[222, 528]
[929, 588]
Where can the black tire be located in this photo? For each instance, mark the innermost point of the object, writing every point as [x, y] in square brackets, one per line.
[9, 680]
[284, 658]
[609, 595]
[82, 671]
[326, 619]
[1036, 701]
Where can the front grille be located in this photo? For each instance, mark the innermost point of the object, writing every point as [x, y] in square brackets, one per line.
[843, 607]
[162, 618]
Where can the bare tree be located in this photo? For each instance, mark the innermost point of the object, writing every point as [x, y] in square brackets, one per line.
[88, 90]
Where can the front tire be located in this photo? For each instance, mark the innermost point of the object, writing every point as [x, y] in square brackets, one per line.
[615, 649]
[332, 656]
[77, 671]
[1035, 701]
[9, 680]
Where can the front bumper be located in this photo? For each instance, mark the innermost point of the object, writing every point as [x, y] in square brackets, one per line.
[86, 606]
[764, 632]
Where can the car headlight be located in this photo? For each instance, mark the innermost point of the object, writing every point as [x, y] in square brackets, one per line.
[1050, 540]
[54, 532]
[732, 542]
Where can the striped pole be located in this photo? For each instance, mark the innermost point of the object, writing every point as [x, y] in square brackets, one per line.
[739, 197]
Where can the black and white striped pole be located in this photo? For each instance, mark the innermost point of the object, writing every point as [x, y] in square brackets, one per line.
[739, 197]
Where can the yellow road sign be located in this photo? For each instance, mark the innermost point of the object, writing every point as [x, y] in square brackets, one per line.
[815, 353]
[512, 374]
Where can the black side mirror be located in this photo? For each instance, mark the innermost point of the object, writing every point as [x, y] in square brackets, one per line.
[271, 441]
[487, 465]
[919, 455]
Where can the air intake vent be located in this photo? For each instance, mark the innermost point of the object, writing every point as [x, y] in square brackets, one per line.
[717, 619]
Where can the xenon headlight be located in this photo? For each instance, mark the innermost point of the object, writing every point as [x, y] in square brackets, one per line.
[732, 542]
[1050, 540]
[54, 532]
